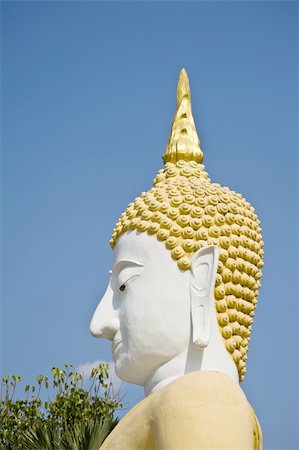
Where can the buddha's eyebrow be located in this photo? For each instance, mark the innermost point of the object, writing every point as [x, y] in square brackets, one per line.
[124, 263]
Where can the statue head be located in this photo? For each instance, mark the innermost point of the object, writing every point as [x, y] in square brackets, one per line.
[187, 263]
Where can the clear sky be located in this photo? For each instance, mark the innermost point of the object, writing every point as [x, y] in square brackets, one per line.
[88, 95]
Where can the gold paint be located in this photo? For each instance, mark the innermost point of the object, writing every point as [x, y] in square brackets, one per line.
[218, 280]
[188, 233]
[183, 141]
[162, 234]
[177, 252]
[186, 212]
[171, 242]
[221, 305]
[184, 263]
[171, 418]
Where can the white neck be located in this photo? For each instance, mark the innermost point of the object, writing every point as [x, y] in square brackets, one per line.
[214, 357]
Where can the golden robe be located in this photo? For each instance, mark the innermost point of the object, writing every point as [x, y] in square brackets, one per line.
[199, 411]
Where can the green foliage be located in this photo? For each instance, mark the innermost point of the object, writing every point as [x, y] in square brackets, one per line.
[84, 436]
[76, 419]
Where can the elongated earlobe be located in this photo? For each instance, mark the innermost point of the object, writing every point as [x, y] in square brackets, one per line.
[202, 282]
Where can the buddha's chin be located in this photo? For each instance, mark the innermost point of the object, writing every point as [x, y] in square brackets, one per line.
[129, 371]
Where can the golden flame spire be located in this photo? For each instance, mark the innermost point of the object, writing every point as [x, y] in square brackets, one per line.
[183, 141]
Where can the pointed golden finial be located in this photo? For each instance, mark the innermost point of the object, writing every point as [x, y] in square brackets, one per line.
[183, 141]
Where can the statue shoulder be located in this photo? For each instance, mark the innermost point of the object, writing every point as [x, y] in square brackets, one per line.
[206, 409]
[200, 410]
[200, 388]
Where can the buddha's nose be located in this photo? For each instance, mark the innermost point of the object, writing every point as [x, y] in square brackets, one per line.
[104, 322]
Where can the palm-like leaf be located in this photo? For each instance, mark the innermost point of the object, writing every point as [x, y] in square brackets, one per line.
[42, 437]
[82, 436]
[87, 436]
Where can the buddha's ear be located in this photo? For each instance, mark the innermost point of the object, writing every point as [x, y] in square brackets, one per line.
[202, 283]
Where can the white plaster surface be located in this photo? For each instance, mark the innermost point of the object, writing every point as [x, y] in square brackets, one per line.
[161, 320]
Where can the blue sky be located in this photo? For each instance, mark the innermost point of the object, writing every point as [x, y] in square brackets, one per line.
[88, 95]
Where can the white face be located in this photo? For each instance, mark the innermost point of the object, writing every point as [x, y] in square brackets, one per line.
[146, 308]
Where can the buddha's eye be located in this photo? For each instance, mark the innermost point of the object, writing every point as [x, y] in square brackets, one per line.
[122, 288]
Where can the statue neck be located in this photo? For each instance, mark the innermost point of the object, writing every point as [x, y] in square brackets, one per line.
[214, 357]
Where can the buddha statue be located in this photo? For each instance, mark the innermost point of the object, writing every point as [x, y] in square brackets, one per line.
[179, 307]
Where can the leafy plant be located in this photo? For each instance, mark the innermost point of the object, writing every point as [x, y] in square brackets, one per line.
[84, 436]
[76, 419]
